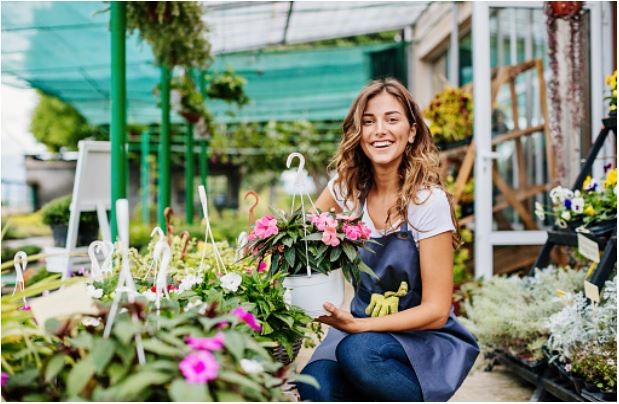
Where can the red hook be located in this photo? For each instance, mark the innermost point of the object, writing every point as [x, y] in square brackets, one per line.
[167, 213]
[251, 210]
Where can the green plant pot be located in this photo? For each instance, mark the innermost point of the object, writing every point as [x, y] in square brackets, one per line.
[86, 235]
[59, 232]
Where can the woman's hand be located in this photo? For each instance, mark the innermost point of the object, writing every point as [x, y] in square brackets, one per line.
[340, 319]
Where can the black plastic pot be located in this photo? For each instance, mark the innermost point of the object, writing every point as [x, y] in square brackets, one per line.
[86, 235]
[599, 395]
[280, 354]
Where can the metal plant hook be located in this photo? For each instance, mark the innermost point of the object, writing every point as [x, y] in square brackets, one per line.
[301, 193]
[20, 261]
[250, 220]
[96, 247]
[167, 213]
[185, 236]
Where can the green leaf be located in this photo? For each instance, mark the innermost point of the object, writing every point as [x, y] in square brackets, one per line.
[313, 237]
[266, 329]
[172, 340]
[102, 352]
[289, 255]
[230, 397]
[125, 330]
[160, 348]
[240, 380]
[307, 379]
[23, 379]
[180, 390]
[83, 340]
[234, 343]
[36, 397]
[126, 353]
[350, 251]
[366, 269]
[286, 319]
[116, 372]
[288, 242]
[132, 386]
[335, 254]
[79, 376]
[54, 366]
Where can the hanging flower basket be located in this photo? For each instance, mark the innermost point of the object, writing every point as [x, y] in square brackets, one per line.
[563, 9]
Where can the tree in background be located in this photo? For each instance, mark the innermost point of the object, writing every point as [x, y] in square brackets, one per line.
[57, 124]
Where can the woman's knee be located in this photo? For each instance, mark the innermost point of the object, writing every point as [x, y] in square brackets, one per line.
[325, 373]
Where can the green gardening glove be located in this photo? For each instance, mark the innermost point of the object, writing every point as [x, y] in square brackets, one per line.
[382, 305]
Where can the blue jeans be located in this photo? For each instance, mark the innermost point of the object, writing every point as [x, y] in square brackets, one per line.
[371, 366]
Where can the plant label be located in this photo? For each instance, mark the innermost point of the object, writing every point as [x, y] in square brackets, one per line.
[63, 303]
[592, 292]
[588, 248]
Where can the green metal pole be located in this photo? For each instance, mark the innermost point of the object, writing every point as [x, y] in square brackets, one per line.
[189, 171]
[204, 143]
[144, 176]
[118, 126]
[164, 146]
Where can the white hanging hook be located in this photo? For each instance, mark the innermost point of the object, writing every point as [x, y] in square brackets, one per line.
[291, 157]
[158, 231]
[20, 261]
[95, 247]
[163, 254]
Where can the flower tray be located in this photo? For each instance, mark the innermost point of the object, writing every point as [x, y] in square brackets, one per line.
[592, 393]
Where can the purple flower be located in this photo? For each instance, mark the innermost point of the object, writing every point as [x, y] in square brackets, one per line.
[247, 317]
[199, 367]
[5, 378]
[568, 203]
[26, 307]
[211, 344]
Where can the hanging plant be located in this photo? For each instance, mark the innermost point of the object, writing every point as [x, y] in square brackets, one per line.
[227, 86]
[571, 11]
[611, 82]
[175, 31]
[450, 115]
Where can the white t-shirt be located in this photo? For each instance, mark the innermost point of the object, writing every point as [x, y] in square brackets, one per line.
[428, 219]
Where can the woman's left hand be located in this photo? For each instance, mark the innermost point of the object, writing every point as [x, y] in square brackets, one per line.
[340, 319]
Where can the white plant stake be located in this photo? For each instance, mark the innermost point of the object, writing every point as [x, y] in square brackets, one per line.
[241, 242]
[125, 279]
[162, 254]
[298, 183]
[20, 261]
[220, 262]
[157, 230]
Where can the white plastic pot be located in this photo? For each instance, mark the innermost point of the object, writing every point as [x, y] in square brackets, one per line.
[311, 292]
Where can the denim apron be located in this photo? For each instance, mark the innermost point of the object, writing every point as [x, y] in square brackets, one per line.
[441, 358]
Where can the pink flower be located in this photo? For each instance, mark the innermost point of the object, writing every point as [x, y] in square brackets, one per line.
[329, 237]
[352, 232]
[365, 231]
[247, 317]
[322, 220]
[221, 325]
[5, 378]
[266, 227]
[347, 218]
[199, 367]
[26, 307]
[262, 267]
[211, 344]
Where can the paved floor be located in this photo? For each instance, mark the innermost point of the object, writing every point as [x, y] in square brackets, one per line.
[498, 385]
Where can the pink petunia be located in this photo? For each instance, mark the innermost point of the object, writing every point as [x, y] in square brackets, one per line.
[262, 266]
[222, 325]
[199, 367]
[5, 378]
[211, 344]
[322, 220]
[246, 317]
[329, 237]
[351, 232]
[266, 227]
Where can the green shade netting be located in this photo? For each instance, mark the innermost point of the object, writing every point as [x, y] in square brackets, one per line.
[63, 48]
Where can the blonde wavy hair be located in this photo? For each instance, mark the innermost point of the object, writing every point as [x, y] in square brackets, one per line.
[418, 169]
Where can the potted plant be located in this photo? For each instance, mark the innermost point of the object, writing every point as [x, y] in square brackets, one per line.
[594, 207]
[450, 117]
[315, 252]
[56, 214]
[510, 314]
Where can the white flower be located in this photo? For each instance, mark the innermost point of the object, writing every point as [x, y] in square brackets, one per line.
[94, 292]
[91, 321]
[251, 366]
[539, 211]
[578, 205]
[566, 215]
[150, 295]
[196, 303]
[288, 297]
[188, 282]
[231, 281]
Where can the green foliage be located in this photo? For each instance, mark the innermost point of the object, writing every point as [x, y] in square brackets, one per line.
[175, 31]
[597, 365]
[24, 226]
[227, 86]
[57, 211]
[511, 313]
[57, 124]
[8, 253]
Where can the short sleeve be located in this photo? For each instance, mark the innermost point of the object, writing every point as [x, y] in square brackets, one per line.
[338, 195]
[432, 216]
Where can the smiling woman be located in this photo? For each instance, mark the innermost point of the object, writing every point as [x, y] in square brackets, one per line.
[400, 341]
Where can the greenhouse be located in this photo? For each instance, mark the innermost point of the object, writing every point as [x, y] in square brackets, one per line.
[243, 201]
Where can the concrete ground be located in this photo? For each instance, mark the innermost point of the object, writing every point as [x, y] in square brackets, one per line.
[498, 385]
